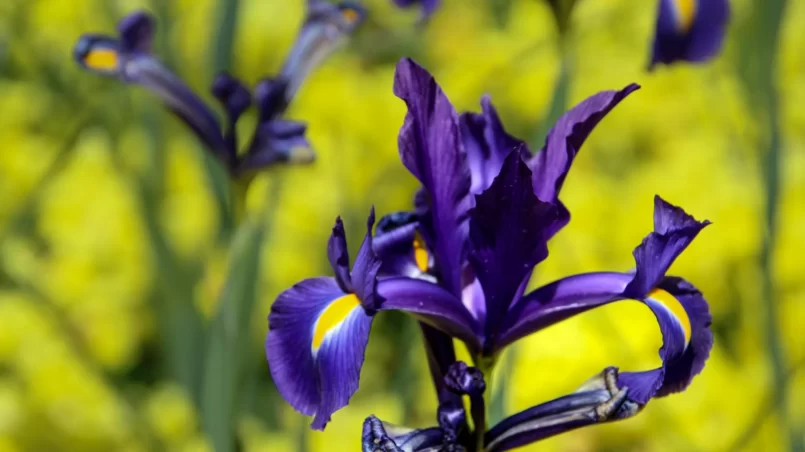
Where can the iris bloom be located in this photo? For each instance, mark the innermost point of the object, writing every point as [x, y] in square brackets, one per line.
[460, 262]
[275, 139]
[689, 30]
[686, 30]
[428, 6]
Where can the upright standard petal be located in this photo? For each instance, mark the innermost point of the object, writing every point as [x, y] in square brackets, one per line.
[431, 149]
[367, 265]
[487, 144]
[689, 30]
[680, 309]
[551, 164]
[338, 255]
[508, 238]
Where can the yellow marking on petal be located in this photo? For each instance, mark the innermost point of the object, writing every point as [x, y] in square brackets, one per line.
[333, 314]
[421, 256]
[101, 59]
[350, 15]
[673, 305]
[686, 12]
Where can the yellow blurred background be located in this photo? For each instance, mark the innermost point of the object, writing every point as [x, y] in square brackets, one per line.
[91, 171]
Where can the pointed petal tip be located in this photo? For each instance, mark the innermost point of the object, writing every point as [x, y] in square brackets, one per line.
[670, 217]
[370, 221]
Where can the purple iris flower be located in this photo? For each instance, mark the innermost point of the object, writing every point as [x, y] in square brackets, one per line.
[597, 401]
[460, 262]
[428, 6]
[275, 139]
[689, 30]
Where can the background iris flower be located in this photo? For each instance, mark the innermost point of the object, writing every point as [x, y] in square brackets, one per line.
[484, 249]
[686, 30]
[689, 30]
[274, 139]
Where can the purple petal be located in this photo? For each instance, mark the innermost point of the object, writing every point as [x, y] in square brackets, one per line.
[551, 165]
[136, 32]
[508, 229]
[325, 28]
[695, 33]
[487, 144]
[364, 272]
[545, 420]
[235, 98]
[340, 359]
[232, 94]
[338, 255]
[431, 304]
[681, 313]
[428, 6]
[680, 367]
[180, 99]
[394, 245]
[431, 150]
[315, 347]
[673, 232]
[277, 141]
[290, 335]
[271, 97]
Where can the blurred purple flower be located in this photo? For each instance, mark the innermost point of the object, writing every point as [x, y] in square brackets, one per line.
[129, 58]
[689, 30]
[428, 6]
[461, 261]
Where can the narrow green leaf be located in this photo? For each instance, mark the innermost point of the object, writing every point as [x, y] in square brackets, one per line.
[180, 325]
[557, 106]
[758, 64]
[228, 342]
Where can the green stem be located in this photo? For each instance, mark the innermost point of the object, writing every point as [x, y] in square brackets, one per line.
[560, 96]
[222, 45]
[759, 62]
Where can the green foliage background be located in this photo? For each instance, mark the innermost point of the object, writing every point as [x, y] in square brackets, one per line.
[126, 287]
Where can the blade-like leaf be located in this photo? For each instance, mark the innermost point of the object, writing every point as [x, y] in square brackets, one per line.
[228, 341]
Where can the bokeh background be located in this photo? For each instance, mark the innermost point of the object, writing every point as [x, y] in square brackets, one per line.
[116, 246]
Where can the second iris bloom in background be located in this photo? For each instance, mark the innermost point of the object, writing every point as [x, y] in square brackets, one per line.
[685, 30]
[461, 261]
